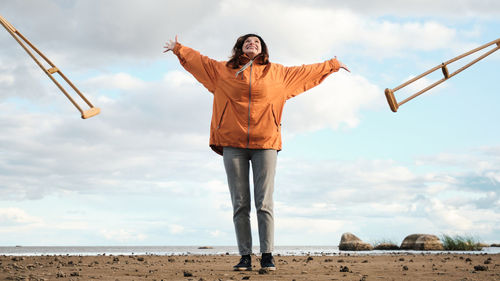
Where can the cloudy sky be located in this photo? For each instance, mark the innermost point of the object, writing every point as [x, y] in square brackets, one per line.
[141, 172]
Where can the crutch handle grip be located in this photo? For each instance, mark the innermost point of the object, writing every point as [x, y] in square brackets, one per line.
[90, 112]
[389, 94]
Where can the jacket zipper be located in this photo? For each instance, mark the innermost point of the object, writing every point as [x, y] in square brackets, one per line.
[249, 103]
[250, 63]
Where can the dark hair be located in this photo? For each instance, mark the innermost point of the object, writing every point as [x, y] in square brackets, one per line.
[235, 60]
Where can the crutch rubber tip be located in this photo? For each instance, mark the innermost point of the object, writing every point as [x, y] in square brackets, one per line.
[91, 112]
[391, 100]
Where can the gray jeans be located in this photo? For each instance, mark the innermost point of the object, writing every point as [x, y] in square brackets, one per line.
[237, 164]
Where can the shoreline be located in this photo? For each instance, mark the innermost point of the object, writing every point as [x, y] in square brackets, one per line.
[345, 266]
[208, 250]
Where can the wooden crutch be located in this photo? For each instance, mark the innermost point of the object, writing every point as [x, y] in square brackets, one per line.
[389, 93]
[18, 36]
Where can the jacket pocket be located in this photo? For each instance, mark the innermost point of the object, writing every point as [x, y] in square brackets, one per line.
[274, 118]
[222, 115]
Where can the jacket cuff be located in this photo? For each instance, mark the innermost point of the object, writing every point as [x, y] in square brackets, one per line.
[335, 64]
[177, 48]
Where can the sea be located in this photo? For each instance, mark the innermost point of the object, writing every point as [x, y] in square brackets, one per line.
[204, 250]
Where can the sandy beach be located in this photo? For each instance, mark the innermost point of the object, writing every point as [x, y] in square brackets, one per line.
[401, 266]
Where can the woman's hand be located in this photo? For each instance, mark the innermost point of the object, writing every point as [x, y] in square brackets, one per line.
[342, 65]
[170, 45]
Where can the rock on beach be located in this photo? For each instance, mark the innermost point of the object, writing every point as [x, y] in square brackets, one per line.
[350, 242]
[422, 242]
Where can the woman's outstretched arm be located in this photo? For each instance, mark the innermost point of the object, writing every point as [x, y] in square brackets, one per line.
[203, 68]
[299, 79]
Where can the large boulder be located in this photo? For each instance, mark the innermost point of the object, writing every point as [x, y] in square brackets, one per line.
[350, 242]
[422, 242]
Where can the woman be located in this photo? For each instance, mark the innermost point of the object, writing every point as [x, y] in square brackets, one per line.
[249, 95]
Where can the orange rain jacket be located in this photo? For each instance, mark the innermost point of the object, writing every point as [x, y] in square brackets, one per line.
[247, 106]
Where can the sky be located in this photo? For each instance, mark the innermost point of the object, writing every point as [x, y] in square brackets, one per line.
[141, 172]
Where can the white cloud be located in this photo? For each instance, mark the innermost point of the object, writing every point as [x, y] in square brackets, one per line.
[451, 9]
[368, 191]
[309, 226]
[178, 78]
[17, 217]
[315, 209]
[381, 172]
[117, 81]
[461, 219]
[176, 229]
[7, 79]
[411, 35]
[217, 233]
[123, 235]
[152, 135]
[128, 34]
[337, 30]
[337, 101]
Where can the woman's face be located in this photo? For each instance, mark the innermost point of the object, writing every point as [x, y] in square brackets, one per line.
[251, 47]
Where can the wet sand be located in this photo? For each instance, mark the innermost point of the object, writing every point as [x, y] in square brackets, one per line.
[450, 266]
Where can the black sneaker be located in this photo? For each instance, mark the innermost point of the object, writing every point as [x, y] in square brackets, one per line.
[267, 262]
[245, 264]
